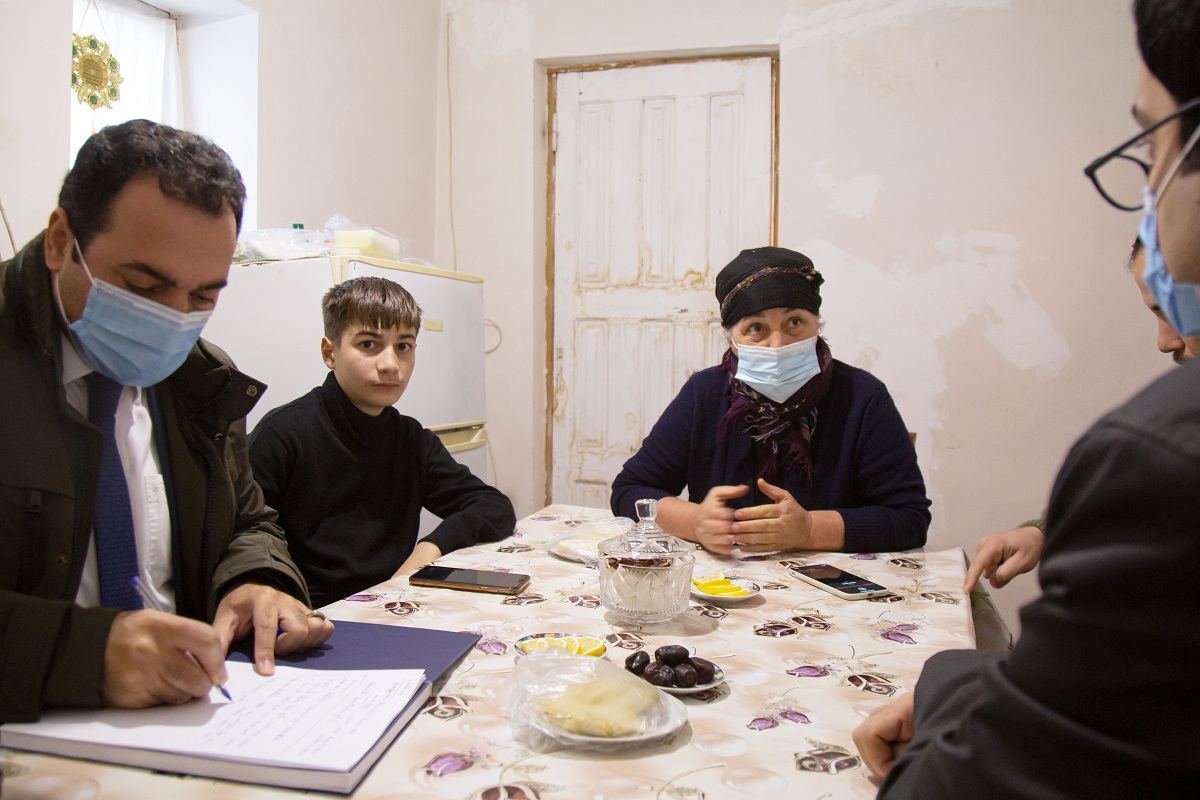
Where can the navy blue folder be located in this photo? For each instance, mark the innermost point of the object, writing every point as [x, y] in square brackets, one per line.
[363, 645]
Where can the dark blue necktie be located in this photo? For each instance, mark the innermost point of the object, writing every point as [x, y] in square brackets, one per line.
[116, 548]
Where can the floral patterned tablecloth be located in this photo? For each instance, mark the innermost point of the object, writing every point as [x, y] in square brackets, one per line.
[802, 669]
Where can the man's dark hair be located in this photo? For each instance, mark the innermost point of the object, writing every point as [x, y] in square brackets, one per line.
[1167, 34]
[189, 167]
[1133, 253]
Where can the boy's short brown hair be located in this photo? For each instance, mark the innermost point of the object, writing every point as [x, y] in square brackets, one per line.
[368, 301]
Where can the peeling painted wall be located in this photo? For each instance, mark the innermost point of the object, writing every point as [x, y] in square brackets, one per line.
[930, 163]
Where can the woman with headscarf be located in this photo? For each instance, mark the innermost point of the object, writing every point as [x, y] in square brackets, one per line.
[780, 447]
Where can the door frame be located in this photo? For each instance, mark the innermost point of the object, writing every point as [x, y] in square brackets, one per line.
[552, 72]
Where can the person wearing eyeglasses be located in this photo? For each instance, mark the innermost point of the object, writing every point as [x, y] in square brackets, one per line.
[1096, 699]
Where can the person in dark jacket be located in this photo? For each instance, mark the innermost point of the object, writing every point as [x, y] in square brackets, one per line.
[103, 311]
[780, 447]
[349, 474]
[1096, 698]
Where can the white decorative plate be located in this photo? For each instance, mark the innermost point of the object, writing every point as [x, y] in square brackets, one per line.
[750, 586]
[579, 545]
[718, 679]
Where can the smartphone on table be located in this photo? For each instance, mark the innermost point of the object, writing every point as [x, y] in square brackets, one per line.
[470, 580]
[845, 585]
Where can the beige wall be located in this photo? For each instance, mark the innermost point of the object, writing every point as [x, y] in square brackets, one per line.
[930, 162]
[346, 114]
[35, 80]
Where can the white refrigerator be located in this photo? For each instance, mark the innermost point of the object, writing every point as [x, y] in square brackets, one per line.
[269, 321]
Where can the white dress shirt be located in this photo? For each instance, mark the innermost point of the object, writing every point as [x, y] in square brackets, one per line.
[147, 490]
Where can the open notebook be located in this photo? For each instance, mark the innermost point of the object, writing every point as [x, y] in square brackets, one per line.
[301, 728]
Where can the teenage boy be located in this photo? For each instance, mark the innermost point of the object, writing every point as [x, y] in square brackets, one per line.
[123, 443]
[1096, 698]
[349, 474]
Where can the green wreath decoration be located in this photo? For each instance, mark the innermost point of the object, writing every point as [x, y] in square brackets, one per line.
[95, 74]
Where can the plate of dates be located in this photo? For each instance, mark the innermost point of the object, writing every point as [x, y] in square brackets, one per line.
[675, 670]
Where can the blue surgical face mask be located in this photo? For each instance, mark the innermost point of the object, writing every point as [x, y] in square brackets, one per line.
[1179, 301]
[777, 372]
[133, 340]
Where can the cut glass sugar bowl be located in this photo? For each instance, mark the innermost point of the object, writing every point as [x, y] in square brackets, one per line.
[646, 574]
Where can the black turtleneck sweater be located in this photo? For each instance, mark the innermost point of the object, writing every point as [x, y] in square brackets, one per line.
[349, 489]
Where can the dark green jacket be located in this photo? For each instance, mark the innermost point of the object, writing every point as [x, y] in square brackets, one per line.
[52, 651]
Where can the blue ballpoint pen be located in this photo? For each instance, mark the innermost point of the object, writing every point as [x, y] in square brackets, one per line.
[151, 602]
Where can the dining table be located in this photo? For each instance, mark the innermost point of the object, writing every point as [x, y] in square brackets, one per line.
[801, 670]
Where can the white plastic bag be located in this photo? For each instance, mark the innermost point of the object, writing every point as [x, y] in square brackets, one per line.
[562, 701]
[350, 238]
[280, 244]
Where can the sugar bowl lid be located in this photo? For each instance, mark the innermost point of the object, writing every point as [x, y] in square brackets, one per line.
[646, 542]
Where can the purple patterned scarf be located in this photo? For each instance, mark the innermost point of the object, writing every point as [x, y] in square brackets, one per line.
[781, 432]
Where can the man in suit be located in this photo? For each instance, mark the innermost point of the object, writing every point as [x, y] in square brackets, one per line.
[1096, 698]
[125, 481]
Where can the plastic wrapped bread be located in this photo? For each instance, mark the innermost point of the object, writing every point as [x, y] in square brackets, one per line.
[606, 705]
[559, 700]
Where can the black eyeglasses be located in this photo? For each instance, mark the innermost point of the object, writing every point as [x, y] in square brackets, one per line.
[1126, 169]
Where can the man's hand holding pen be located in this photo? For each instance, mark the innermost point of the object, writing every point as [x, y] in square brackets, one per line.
[150, 601]
[153, 657]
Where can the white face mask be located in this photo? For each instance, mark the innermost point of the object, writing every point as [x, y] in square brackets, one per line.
[777, 372]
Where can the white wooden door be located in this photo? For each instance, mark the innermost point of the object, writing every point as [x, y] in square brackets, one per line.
[662, 174]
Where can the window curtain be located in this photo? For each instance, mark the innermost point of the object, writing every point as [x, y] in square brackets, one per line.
[143, 39]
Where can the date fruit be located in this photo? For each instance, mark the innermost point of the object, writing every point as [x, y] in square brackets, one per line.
[673, 665]
[636, 662]
[706, 670]
[671, 654]
[685, 675]
[660, 674]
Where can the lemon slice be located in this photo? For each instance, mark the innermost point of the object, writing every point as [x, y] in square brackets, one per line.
[727, 591]
[574, 645]
[714, 578]
[583, 645]
[708, 586]
[591, 647]
[537, 644]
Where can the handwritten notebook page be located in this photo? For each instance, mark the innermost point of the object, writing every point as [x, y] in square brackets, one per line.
[315, 719]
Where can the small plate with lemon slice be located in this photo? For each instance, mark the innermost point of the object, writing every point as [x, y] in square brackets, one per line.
[576, 644]
[719, 588]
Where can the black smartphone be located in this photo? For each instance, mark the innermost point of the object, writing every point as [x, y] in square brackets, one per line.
[845, 585]
[470, 580]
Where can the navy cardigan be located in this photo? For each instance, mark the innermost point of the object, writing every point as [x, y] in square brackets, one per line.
[864, 464]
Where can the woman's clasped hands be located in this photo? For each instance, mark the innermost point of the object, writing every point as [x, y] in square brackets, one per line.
[782, 524]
